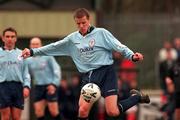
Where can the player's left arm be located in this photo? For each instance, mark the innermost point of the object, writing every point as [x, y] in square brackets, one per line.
[114, 44]
[26, 79]
[55, 68]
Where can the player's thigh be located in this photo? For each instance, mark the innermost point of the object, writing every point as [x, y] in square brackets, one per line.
[39, 107]
[111, 104]
[53, 108]
[5, 113]
[16, 113]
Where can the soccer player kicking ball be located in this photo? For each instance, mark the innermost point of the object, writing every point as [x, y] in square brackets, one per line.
[91, 50]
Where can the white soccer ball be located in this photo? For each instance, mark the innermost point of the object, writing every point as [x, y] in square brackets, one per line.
[90, 92]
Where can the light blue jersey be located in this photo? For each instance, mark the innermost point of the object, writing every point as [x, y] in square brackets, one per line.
[44, 70]
[13, 67]
[88, 52]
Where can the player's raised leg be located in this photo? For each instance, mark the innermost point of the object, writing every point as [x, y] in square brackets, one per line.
[114, 107]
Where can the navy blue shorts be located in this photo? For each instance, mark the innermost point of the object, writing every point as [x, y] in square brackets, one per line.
[11, 95]
[40, 92]
[105, 77]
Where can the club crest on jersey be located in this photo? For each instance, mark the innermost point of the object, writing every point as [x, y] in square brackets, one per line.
[91, 43]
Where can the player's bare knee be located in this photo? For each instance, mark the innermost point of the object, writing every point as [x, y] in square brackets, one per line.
[5, 117]
[112, 110]
[16, 117]
[39, 112]
[113, 113]
[54, 113]
[83, 112]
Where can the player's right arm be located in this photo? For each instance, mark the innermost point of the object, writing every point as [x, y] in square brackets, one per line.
[54, 49]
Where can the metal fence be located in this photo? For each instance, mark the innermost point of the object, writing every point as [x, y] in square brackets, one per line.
[144, 33]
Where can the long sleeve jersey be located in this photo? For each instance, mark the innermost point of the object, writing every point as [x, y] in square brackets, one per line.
[88, 52]
[44, 70]
[13, 67]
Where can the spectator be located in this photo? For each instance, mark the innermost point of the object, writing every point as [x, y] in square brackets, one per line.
[64, 99]
[177, 46]
[167, 55]
[169, 107]
[75, 90]
[167, 47]
[174, 76]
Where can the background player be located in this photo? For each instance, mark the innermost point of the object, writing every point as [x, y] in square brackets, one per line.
[14, 77]
[46, 75]
[91, 50]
